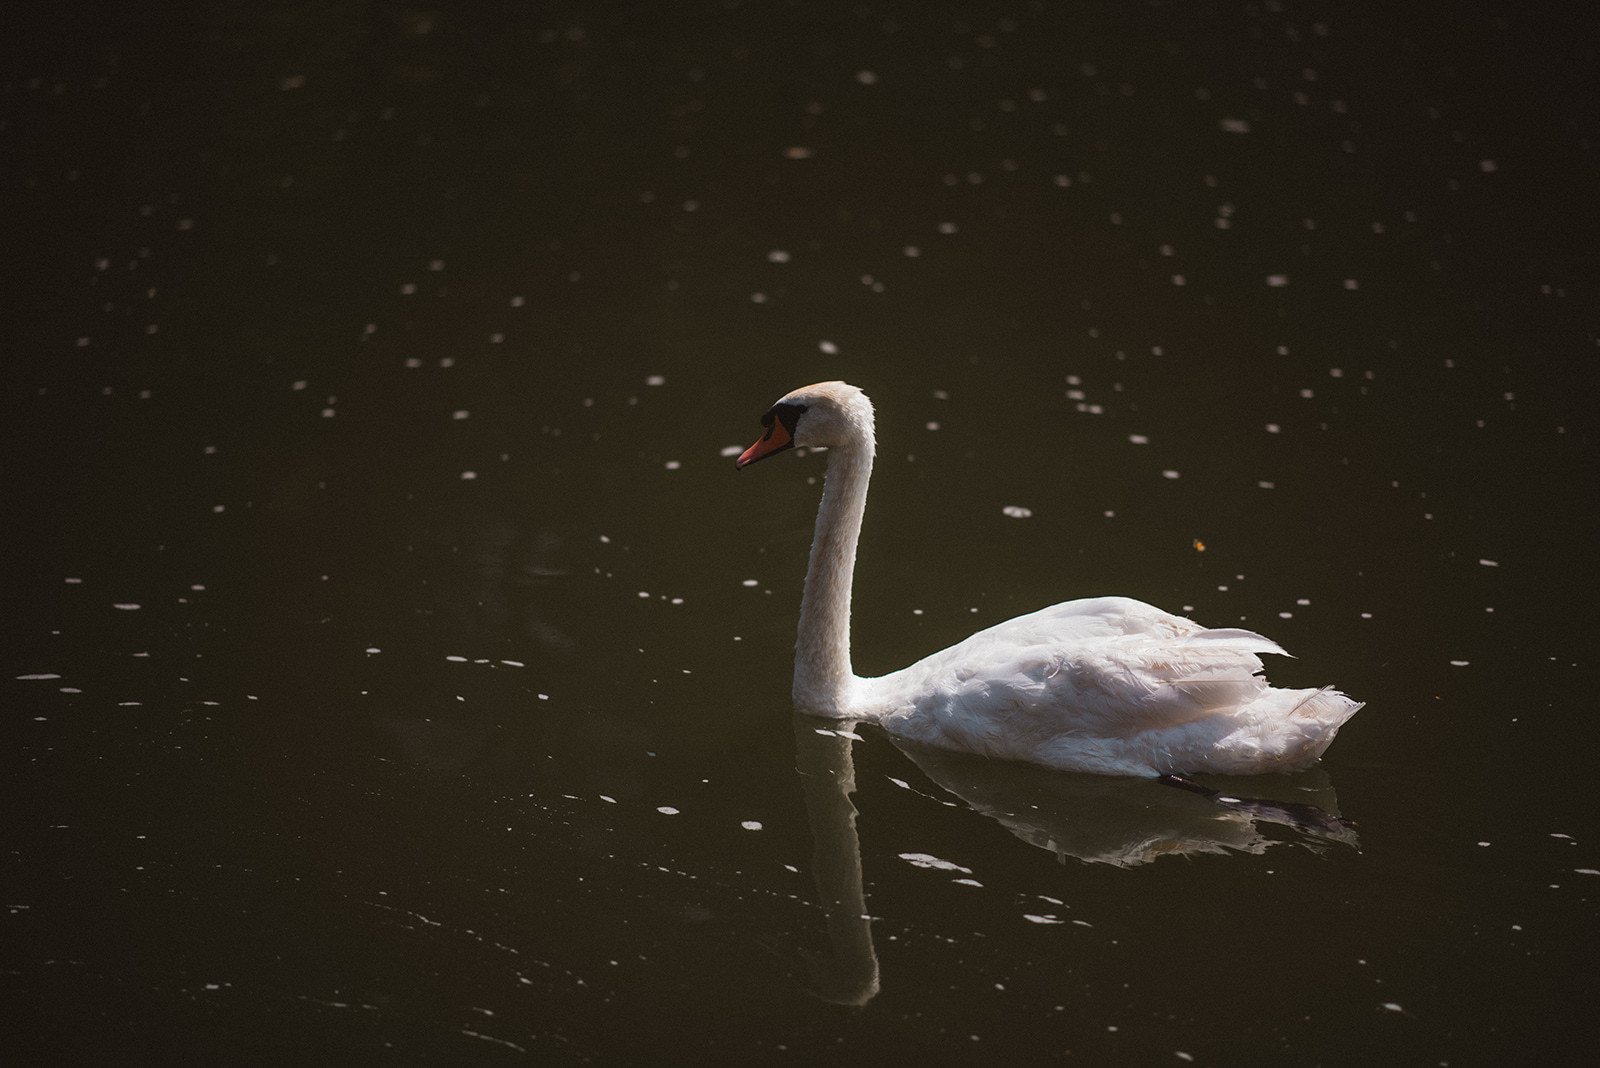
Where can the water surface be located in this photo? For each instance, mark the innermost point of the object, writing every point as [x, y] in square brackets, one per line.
[399, 669]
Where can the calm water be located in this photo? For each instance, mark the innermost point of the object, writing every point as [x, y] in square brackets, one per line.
[397, 668]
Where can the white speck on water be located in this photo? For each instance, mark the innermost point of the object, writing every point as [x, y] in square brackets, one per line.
[1016, 511]
[1390, 1006]
[866, 77]
[42, 675]
[1236, 126]
[777, 255]
[731, 450]
[1488, 166]
[460, 413]
[1586, 871]
[1459, 663]
[1273, 428]
[827, 346]
[456, 659]
[373, 650]
[656, 380]
[1489, 563]
[1139, 439]
[1032, 917]
[927, 860]
[968, 882]
[666, 810]
[898, 782]
[751, 582]
[673, 465]
[608, 800]
[126, 607]
[750, 825]
[1277, 281]
[758, 298]
[1169, 474]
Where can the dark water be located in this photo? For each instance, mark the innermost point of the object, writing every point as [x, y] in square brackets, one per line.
[397, 668]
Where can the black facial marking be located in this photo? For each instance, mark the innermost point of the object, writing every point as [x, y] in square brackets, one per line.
[787, 414]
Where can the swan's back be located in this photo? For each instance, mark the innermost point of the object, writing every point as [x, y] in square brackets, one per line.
[1109, 685]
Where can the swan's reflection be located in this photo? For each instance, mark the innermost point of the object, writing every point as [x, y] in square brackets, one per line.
[1096, 819]
[1101, 819]
[828, 775]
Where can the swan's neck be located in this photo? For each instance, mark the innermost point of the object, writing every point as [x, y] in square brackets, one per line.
[823, 680]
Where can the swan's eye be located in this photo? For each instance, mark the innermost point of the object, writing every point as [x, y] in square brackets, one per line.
[787, 414]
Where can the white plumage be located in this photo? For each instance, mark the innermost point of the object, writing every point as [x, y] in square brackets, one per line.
[1107, 685]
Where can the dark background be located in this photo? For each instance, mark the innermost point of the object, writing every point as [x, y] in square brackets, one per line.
[375, 768]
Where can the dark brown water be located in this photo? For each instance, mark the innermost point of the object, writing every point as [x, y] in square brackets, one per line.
[398, 669]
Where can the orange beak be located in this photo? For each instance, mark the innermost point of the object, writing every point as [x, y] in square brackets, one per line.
[776, 439]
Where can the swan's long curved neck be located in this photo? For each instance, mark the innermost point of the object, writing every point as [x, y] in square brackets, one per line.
[823, 680]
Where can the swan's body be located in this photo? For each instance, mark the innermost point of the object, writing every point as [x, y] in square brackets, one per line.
[1107, 685]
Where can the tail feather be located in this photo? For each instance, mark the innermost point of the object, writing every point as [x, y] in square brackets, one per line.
[1326, 705]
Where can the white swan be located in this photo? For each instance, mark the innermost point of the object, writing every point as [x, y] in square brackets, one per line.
[1107, 685]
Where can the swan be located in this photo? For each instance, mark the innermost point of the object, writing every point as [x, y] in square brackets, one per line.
[1107, 685]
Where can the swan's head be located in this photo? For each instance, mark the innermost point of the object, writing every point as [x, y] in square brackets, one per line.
[828, 414]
